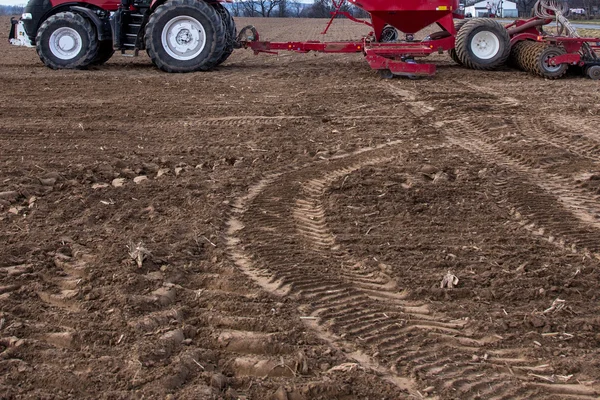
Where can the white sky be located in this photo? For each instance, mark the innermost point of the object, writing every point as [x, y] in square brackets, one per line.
[13, 2]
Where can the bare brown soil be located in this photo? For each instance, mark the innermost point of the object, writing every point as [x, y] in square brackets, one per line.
[299, 214]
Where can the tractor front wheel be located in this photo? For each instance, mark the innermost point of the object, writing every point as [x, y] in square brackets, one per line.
[185, 36]
[482, 44]
[66, 40]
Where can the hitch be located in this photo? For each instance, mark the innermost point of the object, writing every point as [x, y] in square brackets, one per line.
[17, 35]
[247, 34]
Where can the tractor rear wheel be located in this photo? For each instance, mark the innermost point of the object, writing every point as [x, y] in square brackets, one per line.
[66, 40]
[536, 57]
[452, 52]
[482, 44]
[230, 31]
[105, 52]
[185, 36]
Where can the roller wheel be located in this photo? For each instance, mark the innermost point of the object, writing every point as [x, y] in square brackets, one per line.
[185, 36]
[593, 72]
[105, 52]
[482, 44]
[517, 52]
[452, 52]
[535, 58]
[230, 31]
[66, 41]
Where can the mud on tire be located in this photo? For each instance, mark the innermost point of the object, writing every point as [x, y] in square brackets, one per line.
[482, 44]
[185, 36]
[66, 41]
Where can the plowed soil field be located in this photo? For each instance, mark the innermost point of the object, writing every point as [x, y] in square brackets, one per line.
[279, 228]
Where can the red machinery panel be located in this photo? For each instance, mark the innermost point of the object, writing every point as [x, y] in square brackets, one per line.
[408, 16]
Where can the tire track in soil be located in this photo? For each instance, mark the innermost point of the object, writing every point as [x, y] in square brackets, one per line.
[474, 136]
[230, 326]
[277, 234]
[161, 319]
[481, 137]
[543, 218]
[557, 130]
[275, 120]
[262, 218]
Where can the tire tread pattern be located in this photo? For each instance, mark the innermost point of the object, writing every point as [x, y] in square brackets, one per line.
[230, 31]
[463, 39]
[452, 52]
[528, 56]
[76, 19]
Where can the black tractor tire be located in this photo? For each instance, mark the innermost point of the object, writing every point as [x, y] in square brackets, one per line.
[105, 52]
[230, 31]
[593, 72]
[166, 16]
[535, 58]
[452, 52]
[492, 34]
[68, 31]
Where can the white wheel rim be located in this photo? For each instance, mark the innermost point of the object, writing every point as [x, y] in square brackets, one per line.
[65, 43]
[183, 38]
[485, 45]
[546, 62]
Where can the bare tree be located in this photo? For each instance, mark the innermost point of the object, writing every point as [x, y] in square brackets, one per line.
[261, 8]
[295, 8]
[282, 9]
[236, 9]
[11, 10]
[591, 7]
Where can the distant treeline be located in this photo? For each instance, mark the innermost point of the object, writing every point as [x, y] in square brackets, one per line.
[289, 8]
[11, 10]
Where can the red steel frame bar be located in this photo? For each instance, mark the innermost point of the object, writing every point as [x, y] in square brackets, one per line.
[390, 56]
[394, 56]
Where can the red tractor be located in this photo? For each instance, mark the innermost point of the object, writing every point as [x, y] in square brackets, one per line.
[179, 35]
[196, 35]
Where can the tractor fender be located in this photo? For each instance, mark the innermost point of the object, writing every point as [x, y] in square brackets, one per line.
[156, 3]
[102, 25]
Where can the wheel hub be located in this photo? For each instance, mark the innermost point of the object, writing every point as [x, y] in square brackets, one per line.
[485, 45]
[546, 63]
[183, 38]
[65, 43]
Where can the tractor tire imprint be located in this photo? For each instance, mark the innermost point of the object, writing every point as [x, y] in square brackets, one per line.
[565, 215]
[278, 233]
